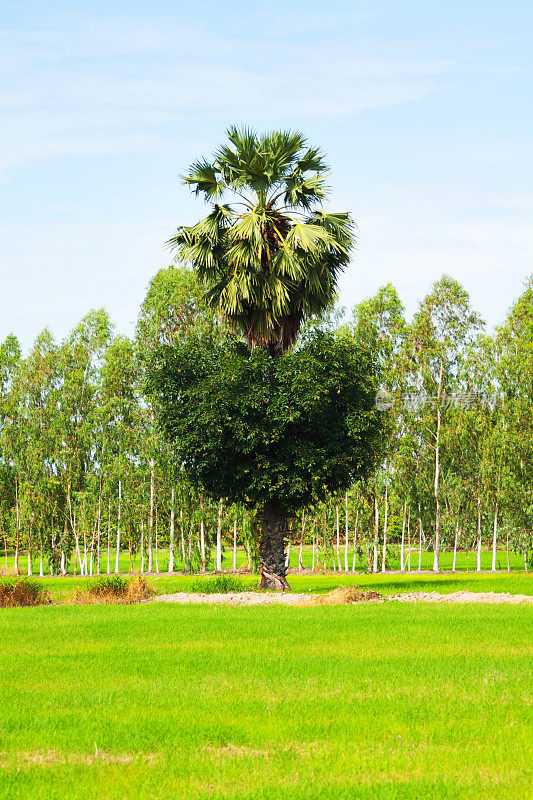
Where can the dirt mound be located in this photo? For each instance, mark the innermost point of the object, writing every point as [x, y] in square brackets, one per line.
[345, 595]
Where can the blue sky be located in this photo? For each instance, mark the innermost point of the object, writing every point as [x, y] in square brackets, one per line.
[423, 108]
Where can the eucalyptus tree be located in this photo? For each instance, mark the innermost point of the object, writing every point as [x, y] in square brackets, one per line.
[442, 328]
[514, 369]
[269, 257]
[379, 324]
[10, 361]
[80, 360]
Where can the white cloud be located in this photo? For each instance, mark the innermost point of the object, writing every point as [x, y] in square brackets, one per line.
[120, 87]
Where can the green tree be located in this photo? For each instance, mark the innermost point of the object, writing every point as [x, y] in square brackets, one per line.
[269, 255]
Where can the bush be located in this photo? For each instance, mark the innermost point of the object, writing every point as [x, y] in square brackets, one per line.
[219, 584]
[23, 592]
[114, 589]
[108, 585]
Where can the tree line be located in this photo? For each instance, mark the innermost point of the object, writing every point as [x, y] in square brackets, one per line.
[89, 484]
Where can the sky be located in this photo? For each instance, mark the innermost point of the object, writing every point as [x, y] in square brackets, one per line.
[423, 108]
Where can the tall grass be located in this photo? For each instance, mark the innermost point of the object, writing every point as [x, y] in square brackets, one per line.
[22, 592]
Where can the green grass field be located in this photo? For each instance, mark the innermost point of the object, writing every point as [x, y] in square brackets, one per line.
[174, 702]
[388, 584]
[466, 561]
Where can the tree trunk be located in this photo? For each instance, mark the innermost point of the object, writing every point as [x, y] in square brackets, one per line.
[235, 544]
[385, 522]
[108, 537]
[346, 532]
[478, 567]
[402, 543]
[409, 540]
[272, 549]
[338, 538]
[156, 547]
[376, 535]
[219, 535]
[419, 542]
[495, 539]
[454, 563]
[300, 555]
[118, 527]
[355, 540]
[151, 522]
[171, 543]
[142, 546]
[436, 492]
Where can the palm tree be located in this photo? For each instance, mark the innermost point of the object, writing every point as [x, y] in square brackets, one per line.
[269, 256]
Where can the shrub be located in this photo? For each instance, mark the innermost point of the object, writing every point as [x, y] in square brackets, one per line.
[218, 584]
[22, 592]
[114, 589]
[108, 585]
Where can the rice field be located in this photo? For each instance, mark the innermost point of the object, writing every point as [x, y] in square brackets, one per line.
[165, 702]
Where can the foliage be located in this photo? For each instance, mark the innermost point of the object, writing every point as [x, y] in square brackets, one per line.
[267, 253]
[258, 429]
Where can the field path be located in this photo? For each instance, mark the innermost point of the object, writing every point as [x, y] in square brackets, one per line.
[295, 599]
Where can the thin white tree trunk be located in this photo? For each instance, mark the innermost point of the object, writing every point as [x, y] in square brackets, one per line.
[409, 540]
[151, 521]
[219, 535]
[98, 533]
[346, 532]
[314, 553]
[495, 539]
[156, 546]
[235, 544]
[41, 564]
[142, 546]
[84, 548]
[385, 524]
[436, 553]
[301, 552]
[202, 543]
[76, 540]
[338, 538]
[288, 556]
[171, 543]
[419, 542]
[376, 535]
[454, 563]
[478, 566]
[402, 542]
[355, 540]
[109, 536]
[118, 527]
[182, 537]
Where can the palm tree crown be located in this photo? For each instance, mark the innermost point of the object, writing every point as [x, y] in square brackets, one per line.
[269, 255]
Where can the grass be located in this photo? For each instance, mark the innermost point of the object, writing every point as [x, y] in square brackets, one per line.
[392, 583]
[351, 703]
[466, 561]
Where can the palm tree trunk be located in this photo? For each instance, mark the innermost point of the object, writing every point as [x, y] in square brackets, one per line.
[272, 549]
